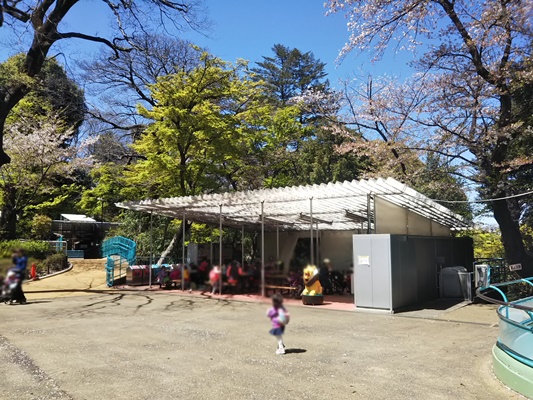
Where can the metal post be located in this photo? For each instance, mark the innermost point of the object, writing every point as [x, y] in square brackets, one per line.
[263, 248]
[183, 255]
[151, 249]
[317, 244]
[220, 250]
[277, 242]
[242, 246]
[311, 225]
[102, 219]
[368, 214]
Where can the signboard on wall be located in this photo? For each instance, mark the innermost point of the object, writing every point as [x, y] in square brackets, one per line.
[363, 260]
[515, 267]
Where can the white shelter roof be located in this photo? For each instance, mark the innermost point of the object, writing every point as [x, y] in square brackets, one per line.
[77, 218]
[334, 206]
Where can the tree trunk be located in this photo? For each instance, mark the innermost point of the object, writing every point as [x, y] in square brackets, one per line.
[515, 251]
[8, 218]
[177, 238]
[4, 158]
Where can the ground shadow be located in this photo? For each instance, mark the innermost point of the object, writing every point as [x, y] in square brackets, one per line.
[38, 301]
[436, 304]
[325, 303]
[295, 351]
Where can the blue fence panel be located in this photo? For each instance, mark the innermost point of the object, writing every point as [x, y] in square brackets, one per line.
[75, 253]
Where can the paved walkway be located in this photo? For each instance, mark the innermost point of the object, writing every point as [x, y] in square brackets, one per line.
[134, 345]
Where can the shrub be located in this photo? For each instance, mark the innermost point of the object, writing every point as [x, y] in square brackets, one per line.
[33, 248]
[41, 227]
[55, 262]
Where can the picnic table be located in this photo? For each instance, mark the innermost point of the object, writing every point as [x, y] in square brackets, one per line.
[278, 284]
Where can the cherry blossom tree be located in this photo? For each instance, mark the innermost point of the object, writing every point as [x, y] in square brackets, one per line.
[44, 20]
[39, 159]
[461, 103]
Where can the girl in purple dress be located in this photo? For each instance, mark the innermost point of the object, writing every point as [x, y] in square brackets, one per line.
[279, 317]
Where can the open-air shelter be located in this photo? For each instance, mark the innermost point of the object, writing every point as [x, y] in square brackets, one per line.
[353, 207]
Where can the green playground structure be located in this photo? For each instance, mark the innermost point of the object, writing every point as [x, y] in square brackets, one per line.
[512, 354]
[120, 253]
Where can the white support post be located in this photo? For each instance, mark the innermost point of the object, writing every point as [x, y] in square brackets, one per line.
[151, 250]
[220, 251]
[311, 230]
[368, 214]
[183, 255]
[242, 246]
[263, 248]
[277, 242]
[317, 244]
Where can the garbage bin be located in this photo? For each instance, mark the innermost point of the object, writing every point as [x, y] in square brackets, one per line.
[136, 275]
[456, 283]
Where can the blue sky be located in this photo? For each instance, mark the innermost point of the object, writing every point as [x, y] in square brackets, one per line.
[240, 29]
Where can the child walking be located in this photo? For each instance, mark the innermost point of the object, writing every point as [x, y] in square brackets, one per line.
[279, 317]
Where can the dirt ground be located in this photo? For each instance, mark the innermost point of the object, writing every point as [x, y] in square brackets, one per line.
[76, 339]
[85, 277]
[133, 345]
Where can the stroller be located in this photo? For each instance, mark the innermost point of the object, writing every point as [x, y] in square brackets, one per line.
[11, 288]
[338, 283]
[296, 281]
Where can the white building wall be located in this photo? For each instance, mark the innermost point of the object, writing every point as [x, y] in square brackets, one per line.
[391, 219]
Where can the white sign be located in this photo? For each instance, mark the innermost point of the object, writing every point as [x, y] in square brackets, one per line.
[515, 267]
[364, 260]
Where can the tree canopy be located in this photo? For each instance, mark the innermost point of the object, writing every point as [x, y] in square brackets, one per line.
[44, 20]
[460, 104]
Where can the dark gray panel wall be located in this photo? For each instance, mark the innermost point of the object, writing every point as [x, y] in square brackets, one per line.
[415, 265]
[403, 270]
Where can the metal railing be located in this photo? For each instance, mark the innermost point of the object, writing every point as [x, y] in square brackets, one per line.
[516, 317]
[120, 252]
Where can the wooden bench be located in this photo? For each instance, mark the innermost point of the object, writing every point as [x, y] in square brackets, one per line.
[280, 289]
[176, 283]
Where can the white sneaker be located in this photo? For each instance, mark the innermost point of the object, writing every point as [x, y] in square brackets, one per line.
[280, 351]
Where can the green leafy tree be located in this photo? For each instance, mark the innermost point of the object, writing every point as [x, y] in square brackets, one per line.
[204, 125]
[43, 23]
[296, 83]
[41, 227]
[289, 73]
[487, 243]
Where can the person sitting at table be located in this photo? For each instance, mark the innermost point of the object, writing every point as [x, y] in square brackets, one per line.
[203, 271]
[175, 274]
[270, 266]
[252, 278]
[233, 275]
[161, 276]
[244, 278]
[186, 276]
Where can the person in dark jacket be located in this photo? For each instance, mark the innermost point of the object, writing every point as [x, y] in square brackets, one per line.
[21, 262]
[323, 276]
